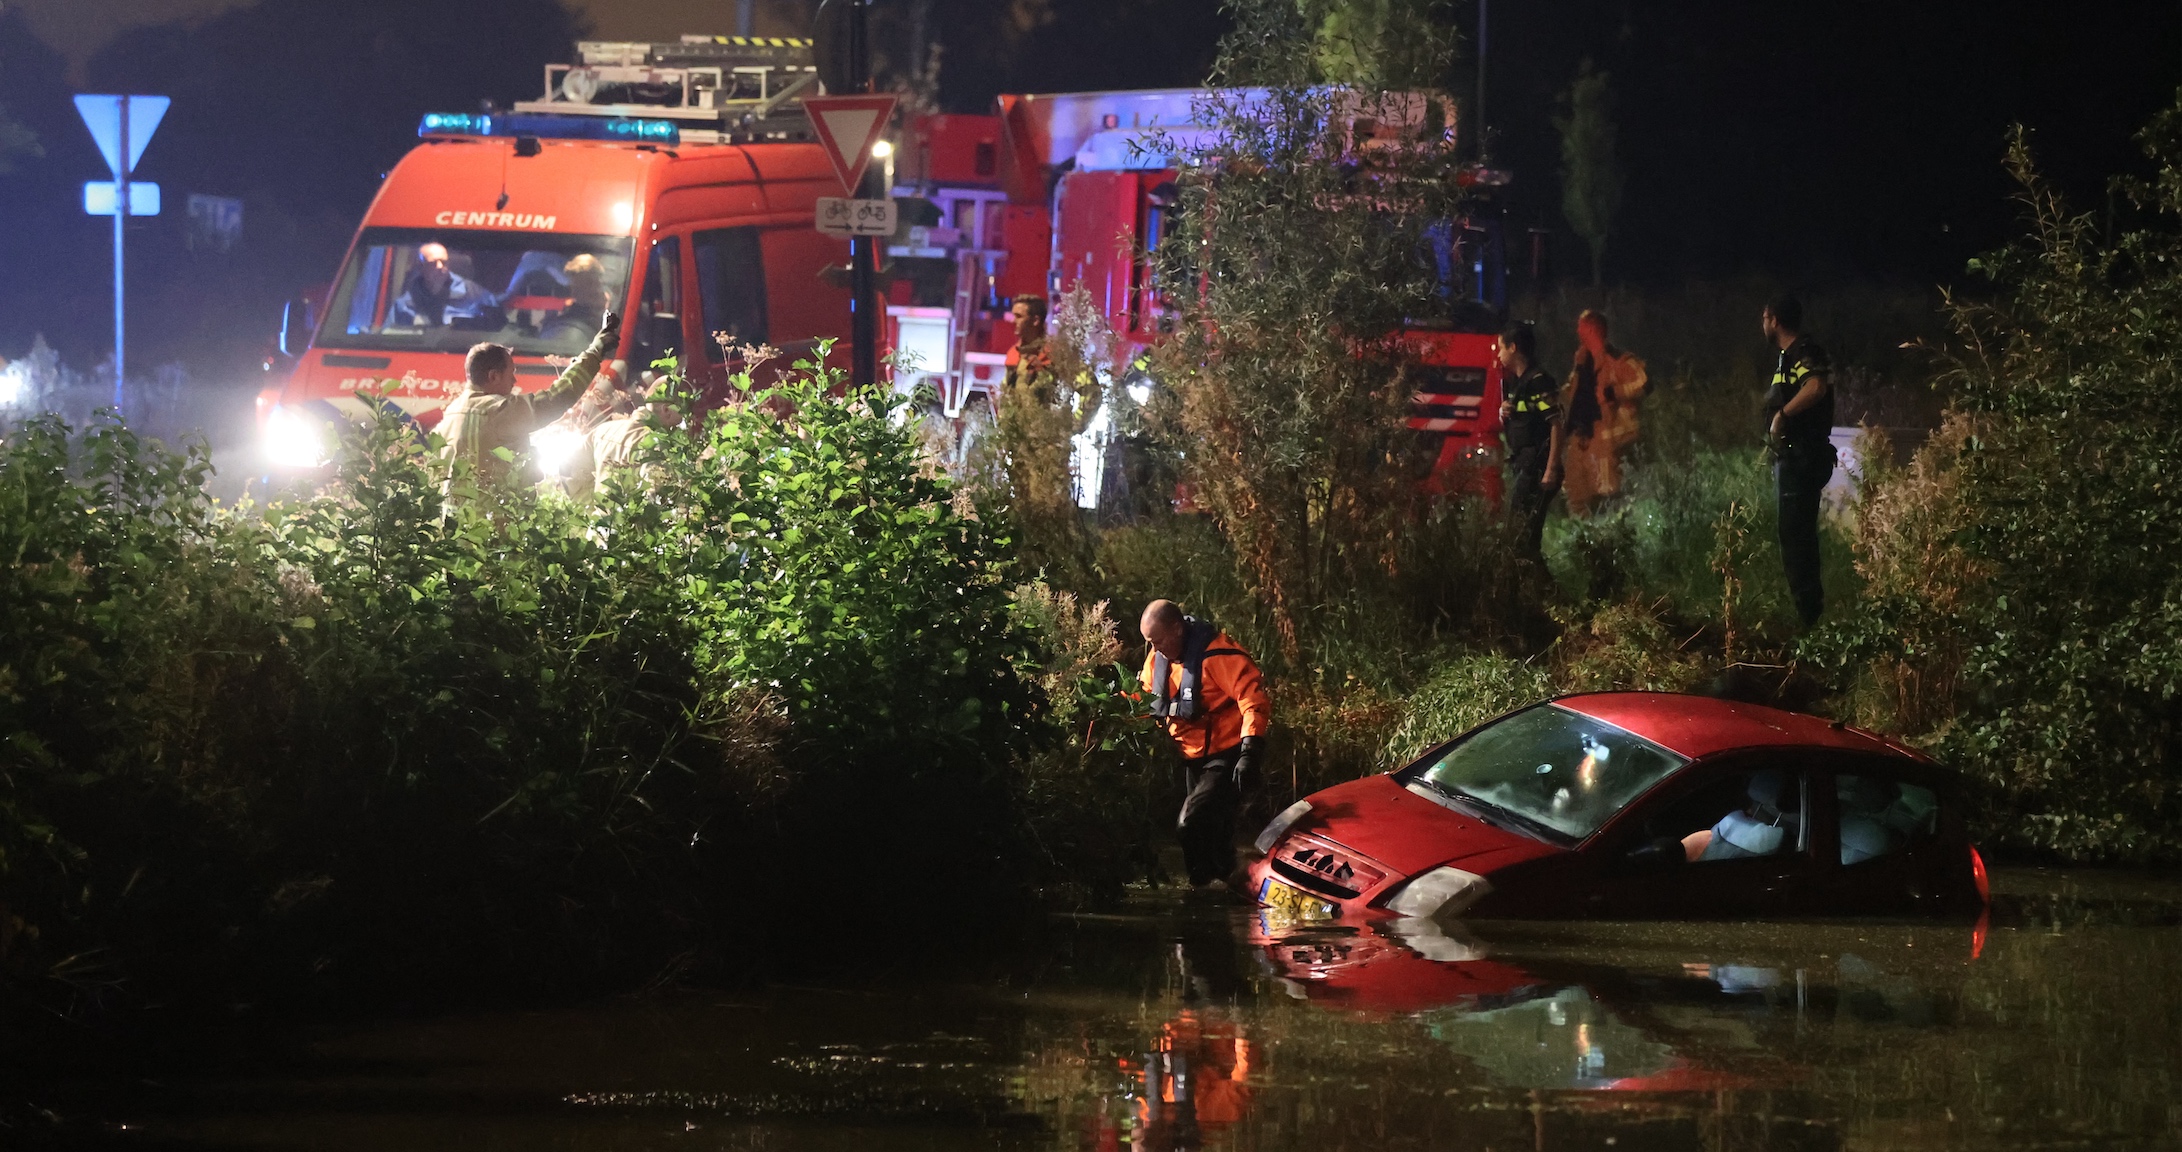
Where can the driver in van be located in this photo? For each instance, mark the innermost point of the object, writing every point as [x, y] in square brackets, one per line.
[436, 294]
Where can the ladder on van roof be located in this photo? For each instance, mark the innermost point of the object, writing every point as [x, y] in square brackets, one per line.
[718, 89]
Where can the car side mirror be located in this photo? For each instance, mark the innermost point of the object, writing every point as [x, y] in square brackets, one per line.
[296, 323]
[1658, 855]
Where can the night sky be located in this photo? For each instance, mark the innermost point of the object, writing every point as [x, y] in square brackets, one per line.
[1814, 143]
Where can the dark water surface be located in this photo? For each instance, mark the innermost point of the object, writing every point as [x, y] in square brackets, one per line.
[1184, 1025]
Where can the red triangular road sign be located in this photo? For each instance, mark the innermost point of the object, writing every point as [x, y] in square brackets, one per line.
[848, 126]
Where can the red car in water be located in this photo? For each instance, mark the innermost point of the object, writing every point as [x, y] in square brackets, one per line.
[1632, 805]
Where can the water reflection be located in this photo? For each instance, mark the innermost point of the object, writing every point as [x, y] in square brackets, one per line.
[1183, 1027]
[1566, 1024]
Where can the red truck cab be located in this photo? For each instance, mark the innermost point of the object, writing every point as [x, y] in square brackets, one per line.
[673, 183]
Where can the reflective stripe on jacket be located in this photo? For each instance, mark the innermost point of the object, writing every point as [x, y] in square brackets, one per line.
[1230, 702]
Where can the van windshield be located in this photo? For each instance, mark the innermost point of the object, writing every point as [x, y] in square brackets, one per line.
[1553, 770]
[442, 290]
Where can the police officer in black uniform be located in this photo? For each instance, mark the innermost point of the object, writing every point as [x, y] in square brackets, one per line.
[1530, 421]
[1799, 414]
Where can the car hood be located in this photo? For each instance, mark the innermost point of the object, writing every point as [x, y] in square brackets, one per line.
[1380, 819]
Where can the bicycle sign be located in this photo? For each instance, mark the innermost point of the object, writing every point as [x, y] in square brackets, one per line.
[842, 217]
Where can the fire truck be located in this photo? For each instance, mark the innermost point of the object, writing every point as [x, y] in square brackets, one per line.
[675, 183]
[1057, 193]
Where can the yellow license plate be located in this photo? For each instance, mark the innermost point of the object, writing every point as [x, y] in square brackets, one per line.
[1294, 904]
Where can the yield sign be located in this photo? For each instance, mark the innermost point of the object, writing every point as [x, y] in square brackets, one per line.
[848, 126]
[102, 115]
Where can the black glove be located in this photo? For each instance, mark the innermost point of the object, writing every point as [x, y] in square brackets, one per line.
[610, 325]
[1246, 762]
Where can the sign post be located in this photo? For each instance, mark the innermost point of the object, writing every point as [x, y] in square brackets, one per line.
[848, 126]
[122, 126]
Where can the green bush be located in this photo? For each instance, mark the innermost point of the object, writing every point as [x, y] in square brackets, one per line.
[371, 739]
[1462, 694]
[2026, 571]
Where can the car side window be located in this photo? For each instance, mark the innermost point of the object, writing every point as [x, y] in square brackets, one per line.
[659, 311]
[731, 288]
[1737, 817]
[1882, 817]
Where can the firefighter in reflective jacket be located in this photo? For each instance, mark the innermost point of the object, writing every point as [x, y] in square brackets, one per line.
[1212, 699]
[491, 415]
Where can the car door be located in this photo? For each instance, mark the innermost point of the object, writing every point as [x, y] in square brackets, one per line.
[659, 315]
[730, 275]
[1720, 840]
[1888, 852]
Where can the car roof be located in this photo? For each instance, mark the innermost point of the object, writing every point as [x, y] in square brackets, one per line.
[1699, 726]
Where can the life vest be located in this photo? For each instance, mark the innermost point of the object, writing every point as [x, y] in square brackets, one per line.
[1197, 638]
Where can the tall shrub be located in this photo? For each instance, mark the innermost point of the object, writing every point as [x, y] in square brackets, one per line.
[2027, 569]
[371, 738]
[1304, 236]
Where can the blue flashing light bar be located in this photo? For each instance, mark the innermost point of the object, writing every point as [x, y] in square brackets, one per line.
[611, 128]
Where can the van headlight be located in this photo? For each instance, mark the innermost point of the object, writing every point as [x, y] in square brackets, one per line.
[554, 448]
[1281, 824]
[1440, 892]
[293, 440]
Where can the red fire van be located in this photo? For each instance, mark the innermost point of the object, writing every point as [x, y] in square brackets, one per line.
[673, 183]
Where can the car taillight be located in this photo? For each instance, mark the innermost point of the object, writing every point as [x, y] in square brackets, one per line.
[1281, 824]
[1440, 892]
[1977, 874]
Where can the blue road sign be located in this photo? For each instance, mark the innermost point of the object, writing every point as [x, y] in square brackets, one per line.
[121, 126]
[99, 199]
[102, 115]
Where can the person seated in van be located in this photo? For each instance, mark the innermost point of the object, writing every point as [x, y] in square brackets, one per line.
[436, 295]
[1766, 826]
[587, 300]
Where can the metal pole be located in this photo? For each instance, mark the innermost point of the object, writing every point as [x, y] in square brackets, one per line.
[121, 224]
[1481, 46]
[746, 17]
[863, 302]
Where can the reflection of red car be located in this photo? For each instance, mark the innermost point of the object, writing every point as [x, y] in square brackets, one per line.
[1524, 1029]
[1632, 805]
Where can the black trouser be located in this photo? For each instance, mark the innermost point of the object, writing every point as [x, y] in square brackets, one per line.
[1207, 826]
[1528, 497]
[1799, 479]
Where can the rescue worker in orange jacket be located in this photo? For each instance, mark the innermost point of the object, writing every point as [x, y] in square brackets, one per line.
[1211, 697]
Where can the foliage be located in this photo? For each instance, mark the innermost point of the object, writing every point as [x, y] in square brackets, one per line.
[1383, 44]
[1464, 693]
[1285, 389]
[2024, 569]
[1099, 804]
[369, 739]
[1591, 176]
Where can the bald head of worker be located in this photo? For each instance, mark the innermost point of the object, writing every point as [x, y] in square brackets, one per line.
[1162, 627]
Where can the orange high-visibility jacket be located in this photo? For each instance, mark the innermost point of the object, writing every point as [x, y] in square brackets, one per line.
[1232, 701]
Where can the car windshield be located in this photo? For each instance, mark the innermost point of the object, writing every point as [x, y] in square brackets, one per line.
[442, 290]
[1556, 770]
